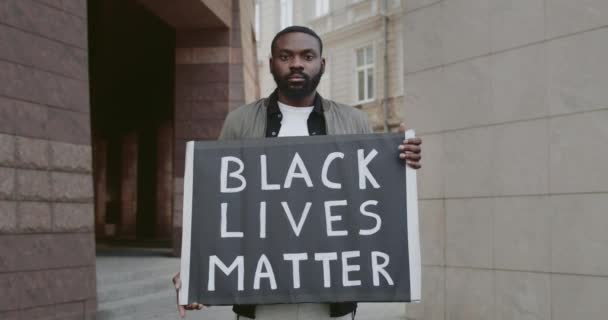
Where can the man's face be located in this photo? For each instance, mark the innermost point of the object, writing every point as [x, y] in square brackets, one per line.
[297, 65]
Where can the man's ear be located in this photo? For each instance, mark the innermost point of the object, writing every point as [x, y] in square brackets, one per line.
[270, 64]
[322, 65]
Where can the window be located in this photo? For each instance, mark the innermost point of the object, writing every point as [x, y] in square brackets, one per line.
[286, 13]
[321, 7]
[257, 21]
[365, 74]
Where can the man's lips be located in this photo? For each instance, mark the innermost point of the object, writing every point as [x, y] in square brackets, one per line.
[296, 78]
[296, 81]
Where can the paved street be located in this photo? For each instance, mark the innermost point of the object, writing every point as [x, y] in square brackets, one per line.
[135, 284]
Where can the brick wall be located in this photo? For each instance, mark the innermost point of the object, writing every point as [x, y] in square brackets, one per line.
[47, 256]
[210, 70]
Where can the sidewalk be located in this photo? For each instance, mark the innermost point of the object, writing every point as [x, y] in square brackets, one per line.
[135, 284]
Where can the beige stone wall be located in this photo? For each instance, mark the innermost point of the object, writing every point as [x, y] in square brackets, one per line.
[269, 26]
[510, 98]
[248, 45]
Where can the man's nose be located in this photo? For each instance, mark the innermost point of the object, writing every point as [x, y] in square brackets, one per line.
[296, 63]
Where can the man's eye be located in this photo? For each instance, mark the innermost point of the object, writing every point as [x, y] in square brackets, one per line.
[309, 57]
[284, 58]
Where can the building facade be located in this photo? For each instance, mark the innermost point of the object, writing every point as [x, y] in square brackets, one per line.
[356, 35]
[510, 99]
[97, 101]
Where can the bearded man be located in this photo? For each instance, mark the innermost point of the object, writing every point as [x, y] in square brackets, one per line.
[296, 109]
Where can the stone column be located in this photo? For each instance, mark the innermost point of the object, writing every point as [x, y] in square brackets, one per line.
[164, 180]
[128, 190]
[201, 100]
[47, 245]
[209, 81]
[100, 154]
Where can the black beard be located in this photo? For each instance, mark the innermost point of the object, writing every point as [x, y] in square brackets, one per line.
[309, 86]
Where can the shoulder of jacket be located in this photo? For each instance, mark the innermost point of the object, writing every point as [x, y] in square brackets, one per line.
[245, 112]
[241, 119]
[346, 109]
[248, 109]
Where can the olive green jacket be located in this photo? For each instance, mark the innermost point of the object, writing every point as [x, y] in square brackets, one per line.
[249, 121]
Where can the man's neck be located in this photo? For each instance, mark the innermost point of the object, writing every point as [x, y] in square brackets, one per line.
[304, 102]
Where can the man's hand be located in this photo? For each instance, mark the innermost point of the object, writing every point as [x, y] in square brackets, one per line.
[177, 282]
[410, 150]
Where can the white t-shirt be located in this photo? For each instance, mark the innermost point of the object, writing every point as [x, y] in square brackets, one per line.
[294, 121]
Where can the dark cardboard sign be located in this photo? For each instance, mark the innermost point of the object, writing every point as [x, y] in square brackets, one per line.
[302, 219]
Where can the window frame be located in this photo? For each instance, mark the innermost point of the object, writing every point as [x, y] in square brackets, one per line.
[366, 67]
[257, 21]
[321, 8]
[286, 13]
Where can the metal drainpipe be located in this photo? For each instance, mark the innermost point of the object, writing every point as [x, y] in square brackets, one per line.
[385, 100]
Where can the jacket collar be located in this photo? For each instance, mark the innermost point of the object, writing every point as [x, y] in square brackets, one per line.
[273, 106]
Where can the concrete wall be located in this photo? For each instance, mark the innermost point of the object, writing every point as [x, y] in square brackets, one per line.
[47, 256]
[510, 97]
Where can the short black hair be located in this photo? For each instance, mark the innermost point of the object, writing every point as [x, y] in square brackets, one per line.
[300, 29]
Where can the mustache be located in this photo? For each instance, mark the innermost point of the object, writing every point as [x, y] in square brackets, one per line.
[297, 73]
[310, 82]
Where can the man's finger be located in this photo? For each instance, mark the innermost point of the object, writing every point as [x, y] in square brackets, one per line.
[411, 156]
[182, 311]
[410, 148]
[416, 141]
[402, 127]
[194, 306]
[414, 165]
[177, 282]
